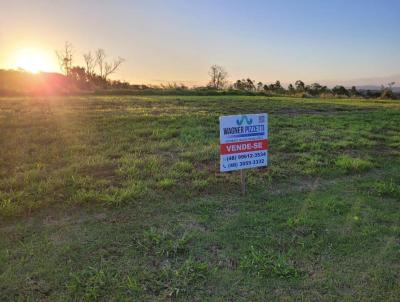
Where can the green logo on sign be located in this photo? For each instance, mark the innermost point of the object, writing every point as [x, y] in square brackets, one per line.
[244, 118]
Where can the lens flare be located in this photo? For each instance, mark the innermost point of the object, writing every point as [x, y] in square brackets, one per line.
[32, 60]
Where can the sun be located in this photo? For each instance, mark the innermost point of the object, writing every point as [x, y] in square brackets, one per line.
[32, 60]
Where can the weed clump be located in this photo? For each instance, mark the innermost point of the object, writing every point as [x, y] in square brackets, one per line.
[387, 188]
[263, 264]
[163, 243]
[352, 164]
[184, 278]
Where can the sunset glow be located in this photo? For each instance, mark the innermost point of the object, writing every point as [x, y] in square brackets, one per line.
[33, 60]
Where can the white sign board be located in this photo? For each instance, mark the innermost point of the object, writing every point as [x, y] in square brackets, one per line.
[243, 141]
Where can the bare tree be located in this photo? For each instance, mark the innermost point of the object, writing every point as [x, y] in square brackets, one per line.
[100, 58]
[110, 68]
[90, 62]
[387, 91]
[65, 58]
[106, 68]
[218, 77]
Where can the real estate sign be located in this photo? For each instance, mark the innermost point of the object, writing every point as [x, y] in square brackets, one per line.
[243, 141]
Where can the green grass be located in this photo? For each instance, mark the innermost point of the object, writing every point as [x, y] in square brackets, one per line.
[120, 198]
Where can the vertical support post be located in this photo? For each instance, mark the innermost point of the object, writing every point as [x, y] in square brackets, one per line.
[243, 181]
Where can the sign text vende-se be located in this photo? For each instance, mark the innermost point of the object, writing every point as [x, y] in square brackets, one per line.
[243, 141]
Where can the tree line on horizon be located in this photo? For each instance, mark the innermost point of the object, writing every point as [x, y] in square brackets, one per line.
[96, 72]
[218, 80]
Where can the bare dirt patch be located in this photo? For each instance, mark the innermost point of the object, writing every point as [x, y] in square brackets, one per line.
[102, 172]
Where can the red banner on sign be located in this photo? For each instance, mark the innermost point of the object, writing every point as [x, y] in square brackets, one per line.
[241, 147]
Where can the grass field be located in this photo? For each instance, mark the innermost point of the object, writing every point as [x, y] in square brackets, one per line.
[120, 198]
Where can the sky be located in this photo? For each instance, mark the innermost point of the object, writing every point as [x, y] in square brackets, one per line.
[331, 42]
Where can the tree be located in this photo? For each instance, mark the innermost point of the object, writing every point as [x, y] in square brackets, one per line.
[239, 85]
[387, 92]
[250, 85]
[90, 62]
[245, 84]
[316, 89]
[354, 91]
[260, 86]
[300, 86]
[276, 87]
[110, 68]
[106, 68]
[291, 89]
[340, 90]
[218, 77]
[100, 58]
[78, 75]
[65, 58]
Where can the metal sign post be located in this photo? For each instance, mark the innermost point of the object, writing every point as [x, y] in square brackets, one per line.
[243, 143]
